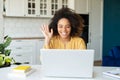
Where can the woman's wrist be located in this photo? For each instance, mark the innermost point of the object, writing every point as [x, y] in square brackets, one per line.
[47, 41]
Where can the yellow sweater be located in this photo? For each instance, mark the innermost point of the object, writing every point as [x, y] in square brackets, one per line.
[74, 43]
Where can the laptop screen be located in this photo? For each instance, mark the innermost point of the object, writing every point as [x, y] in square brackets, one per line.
[67, 63]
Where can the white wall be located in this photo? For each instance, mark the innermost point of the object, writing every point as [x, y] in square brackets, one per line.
[24, 27]
[1, 21]
[96, 25]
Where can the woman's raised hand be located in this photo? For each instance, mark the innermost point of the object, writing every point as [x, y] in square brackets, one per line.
[48, 34]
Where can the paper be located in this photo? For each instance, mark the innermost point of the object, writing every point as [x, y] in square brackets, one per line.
[17, 74]
[113, 73]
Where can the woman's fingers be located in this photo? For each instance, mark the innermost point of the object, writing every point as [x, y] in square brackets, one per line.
[46, 32]
[42, 29]
[45, 28]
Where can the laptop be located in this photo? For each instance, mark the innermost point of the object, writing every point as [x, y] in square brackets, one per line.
[67, 63]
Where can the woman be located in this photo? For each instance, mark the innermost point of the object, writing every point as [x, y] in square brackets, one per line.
[64, 30]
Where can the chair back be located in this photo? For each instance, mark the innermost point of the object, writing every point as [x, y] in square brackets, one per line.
[113, 57]
[115, 52]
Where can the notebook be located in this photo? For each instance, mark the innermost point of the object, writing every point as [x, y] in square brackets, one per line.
[67, 63]
[115, 73]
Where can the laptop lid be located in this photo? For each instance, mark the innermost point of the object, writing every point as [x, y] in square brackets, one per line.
[67, 63]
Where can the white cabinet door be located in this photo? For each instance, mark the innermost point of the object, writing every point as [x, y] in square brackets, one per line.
[14, 7]
[71, 4]
[82, 6]
[40, 45]
[24, 51]
[31, 8]
[35, 8]
[42, 8]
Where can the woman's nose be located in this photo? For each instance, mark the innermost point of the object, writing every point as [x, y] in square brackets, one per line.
[64, 29]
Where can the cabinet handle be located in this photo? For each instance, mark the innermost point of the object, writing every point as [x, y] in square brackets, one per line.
[18, 48]
[18, 55]
[18, 40]
[26, 63]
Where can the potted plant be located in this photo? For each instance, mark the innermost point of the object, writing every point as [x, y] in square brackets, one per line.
[5, 59]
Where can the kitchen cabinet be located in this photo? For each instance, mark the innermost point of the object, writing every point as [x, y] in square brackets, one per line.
[14, 7]
[47, 8]
[35, 8]
[39, 46]
[26, 51]
[82, 6]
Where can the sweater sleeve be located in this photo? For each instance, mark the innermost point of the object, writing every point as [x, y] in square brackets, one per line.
[82, 44]
[48, 46]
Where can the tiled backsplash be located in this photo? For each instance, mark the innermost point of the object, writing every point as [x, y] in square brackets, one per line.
[24, 27]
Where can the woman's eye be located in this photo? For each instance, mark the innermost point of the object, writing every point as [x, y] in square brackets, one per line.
[68, 26]
[59, 26]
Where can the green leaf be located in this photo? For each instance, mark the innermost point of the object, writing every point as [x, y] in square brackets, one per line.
[7, 52]
[1, 48]
[4, 45]
[7, 42]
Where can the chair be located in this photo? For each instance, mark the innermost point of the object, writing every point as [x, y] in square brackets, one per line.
[113, 57]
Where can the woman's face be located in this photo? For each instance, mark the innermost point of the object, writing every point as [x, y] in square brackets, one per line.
[64, 28]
